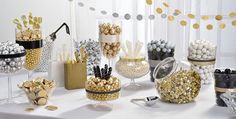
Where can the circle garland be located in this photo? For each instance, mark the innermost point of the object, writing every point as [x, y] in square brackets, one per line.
[176, 13]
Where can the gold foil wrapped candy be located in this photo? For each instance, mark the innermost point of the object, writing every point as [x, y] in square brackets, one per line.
[176, 86]
[38, 90]
[29, 35]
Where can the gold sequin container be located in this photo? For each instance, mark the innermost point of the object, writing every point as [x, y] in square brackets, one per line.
[29, 34]
[109, 37]
[38, 91]
[176, 85]
[103, 90]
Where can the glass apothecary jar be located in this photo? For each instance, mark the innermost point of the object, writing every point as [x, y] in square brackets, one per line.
[132, 68]
[174, 84]
[202, 56]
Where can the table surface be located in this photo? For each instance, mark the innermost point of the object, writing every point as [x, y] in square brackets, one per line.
[74, 104]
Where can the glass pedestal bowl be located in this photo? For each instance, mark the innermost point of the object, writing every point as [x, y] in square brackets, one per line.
[132, 68]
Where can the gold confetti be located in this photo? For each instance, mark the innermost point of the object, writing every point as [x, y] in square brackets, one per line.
[171, 18]
[16, 21]
[191, 16]
[219, 17]
[232, 14]
[222, 25]
[209, 27]
[196, 26]
[234, 22]
[51, 108]
[159, 10]
[205, 17]
[149, 2]
[29, 109]
[165, 4]
[183, 23]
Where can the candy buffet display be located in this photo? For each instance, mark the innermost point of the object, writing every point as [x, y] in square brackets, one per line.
[12, 59]
[224, 80]
[176, 86]
[29, 35]
[202, 54]
[48, 44]
[109, 37]
[158, 50]
[229, 98]
[75, 71]
[103, 86]
[94, 53]
[38, 91]
[133, 65]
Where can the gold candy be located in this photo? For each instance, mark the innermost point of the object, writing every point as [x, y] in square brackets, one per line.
[51, 108]
[181, 87]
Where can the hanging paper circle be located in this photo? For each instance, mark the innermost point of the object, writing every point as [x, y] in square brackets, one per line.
[159, 10]
[92, 8]
[139, 17]
[165, 4]
[205, 17]
[222, 25]
[196, 26]
[183, 23]
[80, 4]
[149, 2]
[177, 11]
[175, 14]
[209, 27]
[232, 14]
[103, 12]
[163, 16]
[115, 15]
[191, 16]
[151, 17]
[234, 22]
[218, 17]
[127, 16]
[171, 18]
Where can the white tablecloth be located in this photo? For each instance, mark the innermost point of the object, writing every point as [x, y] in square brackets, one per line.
[74, 105]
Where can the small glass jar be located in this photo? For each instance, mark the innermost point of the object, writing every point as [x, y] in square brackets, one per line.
[132, 68]
[224, 80]
[103, 90]
[175, 85]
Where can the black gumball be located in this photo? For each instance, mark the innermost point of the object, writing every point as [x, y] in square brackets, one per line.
[227, 71]
[217, 71]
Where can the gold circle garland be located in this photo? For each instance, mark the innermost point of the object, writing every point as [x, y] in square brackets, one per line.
[234, 22]
[191, 16]
[222, 26]
[171, 18]
[205, 17]
[149, 2]
[209, 27]
[218, 17]
[159, 10]
[183, 23]
[196, 26]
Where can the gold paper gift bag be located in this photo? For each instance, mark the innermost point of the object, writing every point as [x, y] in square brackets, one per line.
[75, 75]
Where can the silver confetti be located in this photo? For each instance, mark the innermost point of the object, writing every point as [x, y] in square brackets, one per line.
[92, 8]
[163, 16]
[151, 17]
[115, 15]
[127, 16]
[80, 4]
[103, 12]
[139, 17]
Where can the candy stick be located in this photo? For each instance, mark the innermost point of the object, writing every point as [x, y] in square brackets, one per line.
[129, 48]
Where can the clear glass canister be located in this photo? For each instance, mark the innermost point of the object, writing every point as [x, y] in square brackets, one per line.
[202, 56]
[174, 84]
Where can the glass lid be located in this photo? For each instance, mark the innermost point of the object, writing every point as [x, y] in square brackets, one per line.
[165, 68]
